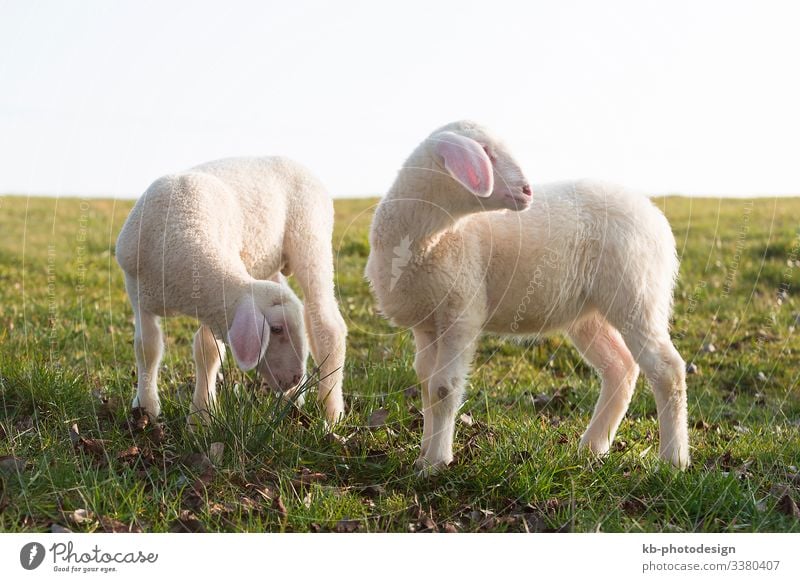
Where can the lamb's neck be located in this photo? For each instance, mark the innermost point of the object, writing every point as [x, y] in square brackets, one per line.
[418, 221]
[216, 304]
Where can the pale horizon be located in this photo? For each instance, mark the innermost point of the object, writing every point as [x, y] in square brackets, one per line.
[692, 99]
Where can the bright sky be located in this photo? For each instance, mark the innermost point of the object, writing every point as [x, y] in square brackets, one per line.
[694, 97]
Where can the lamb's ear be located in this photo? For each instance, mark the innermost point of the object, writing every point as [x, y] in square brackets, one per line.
[248, 335]
[466, 161]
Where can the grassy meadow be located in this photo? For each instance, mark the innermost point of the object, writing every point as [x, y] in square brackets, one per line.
[72, 456]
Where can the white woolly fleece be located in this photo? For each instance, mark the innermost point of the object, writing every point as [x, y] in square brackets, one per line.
[213, 239]
[450, 262]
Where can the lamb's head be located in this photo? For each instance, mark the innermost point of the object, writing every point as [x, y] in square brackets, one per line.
[268, 332]
[482, 165]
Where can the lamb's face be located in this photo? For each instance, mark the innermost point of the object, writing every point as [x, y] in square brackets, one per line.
[284, 363]
[483, 165]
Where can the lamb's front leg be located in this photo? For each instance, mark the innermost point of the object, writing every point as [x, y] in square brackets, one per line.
[327, 331]
[455, 349]
[208, 354]
[148, 343]
[424, 362]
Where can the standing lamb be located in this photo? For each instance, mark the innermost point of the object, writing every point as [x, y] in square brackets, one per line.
[212, 243]
[449, 261]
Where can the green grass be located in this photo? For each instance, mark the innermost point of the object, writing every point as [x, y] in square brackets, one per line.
[66, 358]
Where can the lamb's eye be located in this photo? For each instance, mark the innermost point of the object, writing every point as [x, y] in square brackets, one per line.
[489, 153]
[276, 329]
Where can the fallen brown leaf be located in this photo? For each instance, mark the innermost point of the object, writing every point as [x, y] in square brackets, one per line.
[74, 435]
[200, 465]
[24, 423]
[132, 454]
[787, 506]
[80, 517]
[374, 490]
[378, 418]
[108, 405]
[307, 477]
[411, 392]
[220, 509]
[96, 448]
[632, 506]
[347, 526]
[279, 507]
[187, 522]
[156, 434]
[248, 505]
[138, 420]
[426, 523]
[268, 492]
[112, 525]
[12, 464]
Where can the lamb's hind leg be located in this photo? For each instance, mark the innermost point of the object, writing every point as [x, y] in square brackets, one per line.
[208, 354]
[148, 343]
[666, 372]
[604, 349]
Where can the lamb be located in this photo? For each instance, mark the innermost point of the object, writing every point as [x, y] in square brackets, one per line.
[214, 243]
[461, 245]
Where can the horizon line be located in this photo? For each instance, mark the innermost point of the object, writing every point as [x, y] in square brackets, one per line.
[111, 196]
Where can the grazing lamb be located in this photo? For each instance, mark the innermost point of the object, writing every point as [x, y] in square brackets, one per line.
[449, 261]
[212, 243]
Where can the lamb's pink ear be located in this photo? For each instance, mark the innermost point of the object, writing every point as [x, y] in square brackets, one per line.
[466, 161]
[248, 335]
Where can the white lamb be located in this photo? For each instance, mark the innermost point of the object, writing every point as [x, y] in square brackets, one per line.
[449, 261]
[212, 243]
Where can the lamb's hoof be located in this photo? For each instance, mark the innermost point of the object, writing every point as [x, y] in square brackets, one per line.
[598, 447]
[426, 469]
[298, 400]
[678, 457]
[151, 406]
[332, 418]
